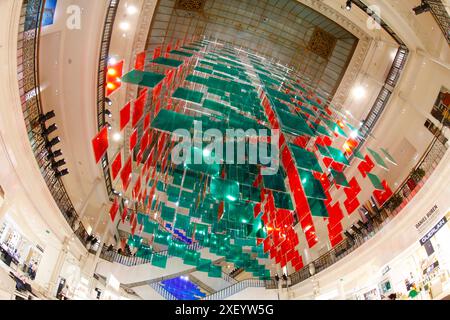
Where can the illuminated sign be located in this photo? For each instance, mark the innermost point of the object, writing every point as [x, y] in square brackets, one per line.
[433, 231]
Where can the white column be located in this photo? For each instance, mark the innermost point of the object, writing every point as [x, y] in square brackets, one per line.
[58, 267]
[341, 289]
[4, 208]
[99, 219]
[82, 208]
[97, 256]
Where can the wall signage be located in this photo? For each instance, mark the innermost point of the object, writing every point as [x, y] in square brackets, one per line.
[420, 226]
[433, 231]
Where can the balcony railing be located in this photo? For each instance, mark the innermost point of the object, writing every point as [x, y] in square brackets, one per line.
[441, 16]
[239, 286]
[407, 190]
[30, 97]
[114, 256]
[101, 81]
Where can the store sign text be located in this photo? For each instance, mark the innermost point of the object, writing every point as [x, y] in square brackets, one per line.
[426, 218]
[433, 231]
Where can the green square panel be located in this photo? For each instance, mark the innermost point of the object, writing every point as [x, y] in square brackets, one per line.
[204, 70]
[191, 257]
[359, 155]
[312, 187]
[182, 222]
[181, 53]
[159, 260]
[142, 78]
[339, 178]
[177, 249]
[333, 153]
[204, 265]
[188, 95]
[167, 213]
[215, 271]
[294, 124]
[378, 159]
[389, 156]
[167, 62]
[375, 181]
[163, 237]
[197, 79]
[224, 189]
[305, 159]
[318, 208]
[168, 120]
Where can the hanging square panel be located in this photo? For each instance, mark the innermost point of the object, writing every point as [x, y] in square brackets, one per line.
[378, 159]
[141, 78]
[339, 178]
[375, 181]
[312, 187]
[100, 144]
[159, 260]
[188, 95]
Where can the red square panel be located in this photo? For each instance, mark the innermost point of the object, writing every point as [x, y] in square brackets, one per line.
[116, 165]
[100, 144]
[125, 115]
[125, 174]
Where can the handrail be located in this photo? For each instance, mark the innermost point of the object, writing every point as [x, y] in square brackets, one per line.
[428, 162]
[163, 292]
[114, 256]
[239, 286]
[101, 80]
[441, 16]
[30, 97]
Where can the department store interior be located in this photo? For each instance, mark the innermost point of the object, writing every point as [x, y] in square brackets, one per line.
[225, 150]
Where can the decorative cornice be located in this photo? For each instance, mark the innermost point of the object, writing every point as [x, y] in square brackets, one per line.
[335, 16]
[351, 73]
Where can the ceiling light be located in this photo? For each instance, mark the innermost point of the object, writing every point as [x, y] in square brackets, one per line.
[132, 10]
[354, 134]
[50, 129]
[58, 164]
[424, 7]
[112, 61]
[124, 26]
[359, 92]
[62, 173]
[117, 136]
[348, 5]
[231, 198]
[53, 142]
[206, 152]
[45, 117]
[54, 154]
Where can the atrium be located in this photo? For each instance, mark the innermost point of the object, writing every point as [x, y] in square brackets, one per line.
[224, 150]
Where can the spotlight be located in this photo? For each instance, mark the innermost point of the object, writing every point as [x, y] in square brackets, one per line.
[277, 277]
[108, 125]
[58, 164]
[53, 142]
[45, 117]
[53, 155]
[62, 173]
[285, 278]
[424, 7]
[50, 129]
[108, 114]
[348, 5]
[108, 101]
